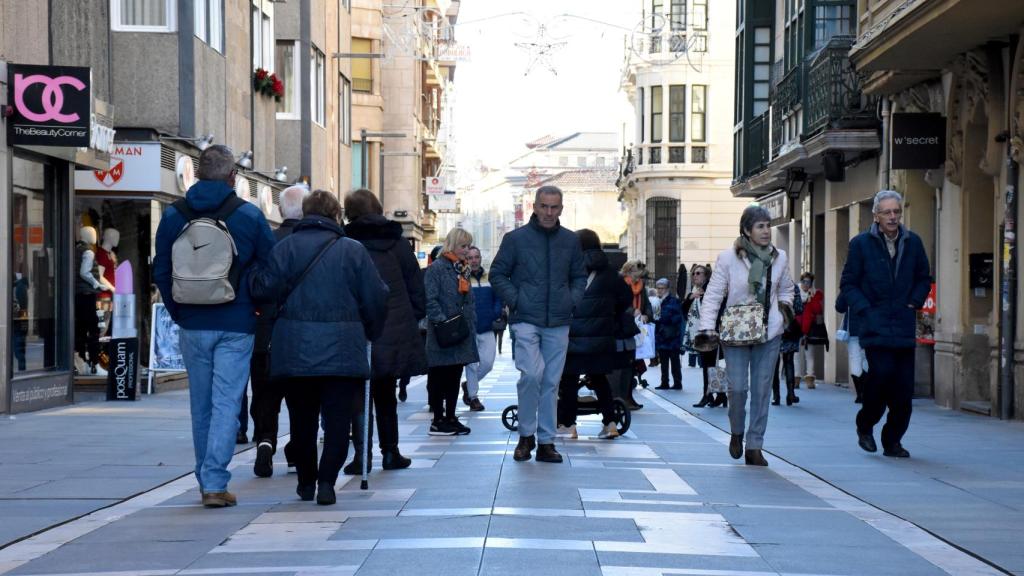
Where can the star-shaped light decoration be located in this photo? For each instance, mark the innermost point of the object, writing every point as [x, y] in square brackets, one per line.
[541, 50]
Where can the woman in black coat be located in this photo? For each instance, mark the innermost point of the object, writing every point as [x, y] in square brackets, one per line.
[592, 337]
[399, 352]
[325, 319]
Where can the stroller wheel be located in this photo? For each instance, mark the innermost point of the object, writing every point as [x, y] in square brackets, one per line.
[623, 417]
[510, 417]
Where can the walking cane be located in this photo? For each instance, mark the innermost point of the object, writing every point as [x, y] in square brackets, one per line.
[365, 484]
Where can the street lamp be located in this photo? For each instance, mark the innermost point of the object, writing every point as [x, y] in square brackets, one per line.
[245, 161]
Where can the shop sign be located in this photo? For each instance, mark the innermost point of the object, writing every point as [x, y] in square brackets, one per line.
[122, 374]
[28, 395]
[443, 203]
[51, 105]
[926, 319]
[134, 167]
[777, 206]
[433, 185]
[918, 141]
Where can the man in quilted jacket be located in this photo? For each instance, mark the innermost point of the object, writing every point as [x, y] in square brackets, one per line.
[539, 274]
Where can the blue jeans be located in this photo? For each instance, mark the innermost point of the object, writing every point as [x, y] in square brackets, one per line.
[540, 356]
[750, 370]
[218, 372]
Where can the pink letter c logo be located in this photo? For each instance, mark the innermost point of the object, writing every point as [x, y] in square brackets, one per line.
[52, 99]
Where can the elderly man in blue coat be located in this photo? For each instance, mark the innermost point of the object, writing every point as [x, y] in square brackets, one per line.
[885, 281]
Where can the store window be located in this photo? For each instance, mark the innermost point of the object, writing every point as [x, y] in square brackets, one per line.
[143, 15]
[37, 337]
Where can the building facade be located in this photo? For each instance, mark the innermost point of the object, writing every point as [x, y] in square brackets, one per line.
[675, 179]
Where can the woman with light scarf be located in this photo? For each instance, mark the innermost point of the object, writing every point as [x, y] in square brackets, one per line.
[741, 277]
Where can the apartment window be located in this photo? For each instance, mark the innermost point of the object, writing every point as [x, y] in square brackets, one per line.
[700, 14]
[362, 68]
[699, 155]
[676, 154]
[209, 22]
[832, 20]
[563, 160]
[677, 113]
[656, 113]
[345, 93]
[581, 161]
[738, 82]
[316, 85]
[288, 71]
[677, 14]
[143, 15]
[698, 121]
[793, 51]
[357, 165]
[762, 68]
[262, 40]
[656, 155]
[699, 43]
[600, 161]
[657, 23]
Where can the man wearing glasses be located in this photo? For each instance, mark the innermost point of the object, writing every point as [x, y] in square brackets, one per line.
[885, 281]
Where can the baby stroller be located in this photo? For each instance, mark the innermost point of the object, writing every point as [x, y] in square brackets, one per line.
[586, 405]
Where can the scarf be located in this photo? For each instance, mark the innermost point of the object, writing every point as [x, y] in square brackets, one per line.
[461, 269]
[760, 257]
[637, 286]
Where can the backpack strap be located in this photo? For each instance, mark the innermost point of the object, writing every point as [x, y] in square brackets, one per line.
[225, 209]
[291, 286]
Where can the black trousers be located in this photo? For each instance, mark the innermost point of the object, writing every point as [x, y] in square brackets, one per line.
[87, 328]
[384, 402]
[443, 390]
[267, 395]
[569, 387]
[888, 383]
[333, 398]
[671, 357]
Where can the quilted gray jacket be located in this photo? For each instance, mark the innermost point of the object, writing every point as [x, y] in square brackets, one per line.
[539, 274]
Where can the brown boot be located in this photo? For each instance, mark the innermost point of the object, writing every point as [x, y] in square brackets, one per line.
[809, 381]
[547, 453]
[736, 446]
[219, 499]
[754, 457]
[523, 449]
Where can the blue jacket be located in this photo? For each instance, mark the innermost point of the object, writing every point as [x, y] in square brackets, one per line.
[488, 305]
[253, 240]
[668, 330]
[539, 273]
[883, 293]
[326, 320]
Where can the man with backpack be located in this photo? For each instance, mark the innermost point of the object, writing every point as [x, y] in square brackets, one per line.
[206, 245]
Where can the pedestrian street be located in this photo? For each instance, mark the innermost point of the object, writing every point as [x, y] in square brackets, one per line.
[664, 499]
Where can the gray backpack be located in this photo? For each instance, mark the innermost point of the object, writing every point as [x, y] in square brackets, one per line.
[204, 259]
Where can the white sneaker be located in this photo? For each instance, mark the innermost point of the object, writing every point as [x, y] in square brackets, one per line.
[569, 431]
[609, 432]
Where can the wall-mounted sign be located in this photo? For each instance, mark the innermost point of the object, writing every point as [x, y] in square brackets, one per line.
[51, 105]
[443, 203]
[433, 185]
[777, 206]
[185, 173]
[134, 167]
[918, 141]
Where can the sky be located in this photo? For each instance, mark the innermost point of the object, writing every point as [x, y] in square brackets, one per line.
[503, 102]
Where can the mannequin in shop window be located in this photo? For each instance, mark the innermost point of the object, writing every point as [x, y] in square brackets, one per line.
[19, 318]
[88, 284]
[106, 259]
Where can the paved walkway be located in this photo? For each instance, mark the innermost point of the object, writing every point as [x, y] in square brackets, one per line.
[665, 499]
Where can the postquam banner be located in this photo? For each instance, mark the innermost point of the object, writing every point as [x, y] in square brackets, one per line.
[122, 374]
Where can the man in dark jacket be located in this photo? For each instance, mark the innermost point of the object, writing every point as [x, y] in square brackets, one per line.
[267, 393]
[885, 280]
[668, 335]
[215, 339]
[539, 274]
[399, 352]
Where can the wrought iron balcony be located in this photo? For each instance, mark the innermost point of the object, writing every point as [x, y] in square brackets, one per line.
[785, 99]
[755, 158]
[834, 97]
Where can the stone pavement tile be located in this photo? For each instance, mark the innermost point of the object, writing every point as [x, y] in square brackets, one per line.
[750, 486]
[422, 562]
[511, 561]
[807, 527]
[564, 528]
[118, 488]
[148, 472]
[451, 497]
[268, 559]
[21, 518]
[722, 564]
[413, 527]
[853, 560]
[142, 554]
[155, 525]
[534, 496]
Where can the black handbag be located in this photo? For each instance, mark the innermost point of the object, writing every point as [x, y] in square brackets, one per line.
[819, 333]
[452, 331]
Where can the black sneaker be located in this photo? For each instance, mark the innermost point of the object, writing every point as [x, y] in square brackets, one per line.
[264, 466]
[460, 428]
[441, 428]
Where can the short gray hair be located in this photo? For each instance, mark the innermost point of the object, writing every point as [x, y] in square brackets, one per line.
[885, 195]
[752, 215]
[216, 163]
[550, 190]
[291, 201]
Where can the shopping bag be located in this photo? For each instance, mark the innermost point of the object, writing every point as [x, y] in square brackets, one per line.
[645, 342]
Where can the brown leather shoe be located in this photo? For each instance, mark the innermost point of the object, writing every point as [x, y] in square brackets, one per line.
[547, 453]
[219, 499]
[754, 457]
[736, 446]
[475, 405]
[523, 449]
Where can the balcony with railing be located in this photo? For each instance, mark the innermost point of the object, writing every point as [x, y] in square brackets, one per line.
[834, 96]
[785, 100]
[755, 153]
